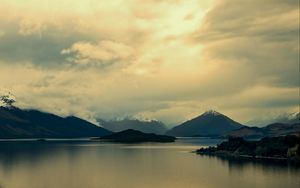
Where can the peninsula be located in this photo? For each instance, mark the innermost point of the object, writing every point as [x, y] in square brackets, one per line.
[282, 148]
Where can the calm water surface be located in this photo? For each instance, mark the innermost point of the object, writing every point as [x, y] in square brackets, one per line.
[87, 164]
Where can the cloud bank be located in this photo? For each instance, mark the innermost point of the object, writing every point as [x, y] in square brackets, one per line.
[168, 60]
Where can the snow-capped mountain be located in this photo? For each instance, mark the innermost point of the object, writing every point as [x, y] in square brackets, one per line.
[146, 125]
[210, 123]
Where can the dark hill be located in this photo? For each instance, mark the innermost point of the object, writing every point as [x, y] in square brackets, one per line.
[211, 123]
[272, 130]
[17, 123]
[247, 132]
[134, 136]
[282, 148]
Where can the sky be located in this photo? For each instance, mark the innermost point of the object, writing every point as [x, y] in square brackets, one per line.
[169, 60]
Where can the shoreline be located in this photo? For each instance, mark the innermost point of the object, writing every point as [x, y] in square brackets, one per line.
[275, 149]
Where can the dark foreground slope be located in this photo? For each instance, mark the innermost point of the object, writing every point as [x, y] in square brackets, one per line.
[285, 148]
[17, 123]
[134, 136]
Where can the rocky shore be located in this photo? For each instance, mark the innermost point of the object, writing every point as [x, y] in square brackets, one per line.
[276, 149]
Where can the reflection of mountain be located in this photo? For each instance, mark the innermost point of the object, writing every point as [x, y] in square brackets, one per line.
[151, 126]
[134, 136]
[17, 123]
[211, 123]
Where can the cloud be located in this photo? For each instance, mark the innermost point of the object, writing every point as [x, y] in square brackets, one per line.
[104, 52]
[2, 33]
[29, 27]
[261, 36]
[167, 60]
[41, 49]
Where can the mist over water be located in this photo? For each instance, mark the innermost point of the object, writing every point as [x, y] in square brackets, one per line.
[86, 164]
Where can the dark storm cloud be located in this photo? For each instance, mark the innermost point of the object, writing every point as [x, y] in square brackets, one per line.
[42, 49]
[92, 58]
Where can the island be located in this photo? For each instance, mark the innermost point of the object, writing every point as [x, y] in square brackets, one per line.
[275, 149]
[134, 136]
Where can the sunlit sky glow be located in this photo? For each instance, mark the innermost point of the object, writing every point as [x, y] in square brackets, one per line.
[169, 60]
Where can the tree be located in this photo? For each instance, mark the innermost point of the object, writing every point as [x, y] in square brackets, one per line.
[7, 100]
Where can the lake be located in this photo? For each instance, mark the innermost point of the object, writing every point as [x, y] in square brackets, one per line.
[91, 164]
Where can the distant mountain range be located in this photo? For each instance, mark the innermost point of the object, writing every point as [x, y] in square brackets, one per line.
[18, 123]
[210, 123]
[286, 118]
[146, 126]
[285, 124]
[272, 130]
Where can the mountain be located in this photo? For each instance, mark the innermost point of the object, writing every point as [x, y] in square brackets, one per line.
[286, 118]
[150, 126]
[211, 123]
[272, 130]
[134, 136]
[18, 123]
[247, 132]
[279, 129]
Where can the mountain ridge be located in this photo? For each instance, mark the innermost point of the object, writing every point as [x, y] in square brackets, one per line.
[210, 123]
[287, 118]
[18, 123]
[271, 130]
[152, 126]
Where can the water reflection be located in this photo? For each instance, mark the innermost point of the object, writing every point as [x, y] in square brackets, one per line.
[237, 165]
[88, 164]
